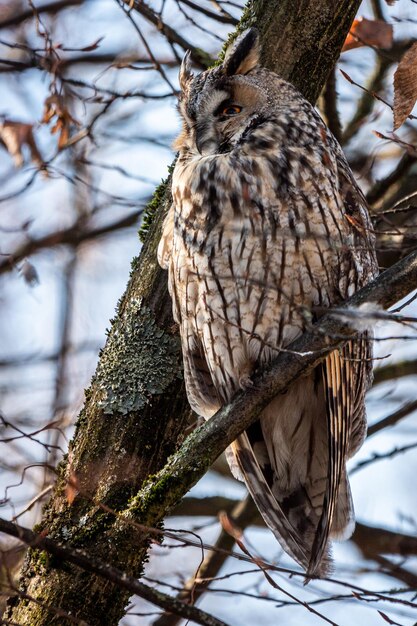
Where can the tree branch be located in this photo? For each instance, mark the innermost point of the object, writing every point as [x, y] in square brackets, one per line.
[243, 514]
[393, 371]
[390, 420]
[200, 58]
[372, 540]
[224, 18]
[74, 236]
[106, 571]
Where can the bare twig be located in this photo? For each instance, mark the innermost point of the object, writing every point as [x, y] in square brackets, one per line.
[200, 58]
[390, 420]
[95, 566]
[73, 236]
[49, 7]
[243, 514]
[221, 16]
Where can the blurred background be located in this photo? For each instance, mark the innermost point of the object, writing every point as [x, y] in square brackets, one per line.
[87, 118]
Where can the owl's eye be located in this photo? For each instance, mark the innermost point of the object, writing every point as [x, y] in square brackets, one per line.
[231, 109]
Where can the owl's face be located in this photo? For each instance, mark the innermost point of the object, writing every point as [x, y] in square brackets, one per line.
[220, 105]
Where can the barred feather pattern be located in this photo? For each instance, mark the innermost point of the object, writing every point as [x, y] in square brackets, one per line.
[267, 228]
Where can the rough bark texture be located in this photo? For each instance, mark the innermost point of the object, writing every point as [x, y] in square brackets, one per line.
[302, 40]
[136, 412]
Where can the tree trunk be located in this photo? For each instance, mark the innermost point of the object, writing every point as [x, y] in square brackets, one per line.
[135, 412]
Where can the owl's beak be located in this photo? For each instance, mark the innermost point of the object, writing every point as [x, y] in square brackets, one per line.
[203, 137]
[200, 136]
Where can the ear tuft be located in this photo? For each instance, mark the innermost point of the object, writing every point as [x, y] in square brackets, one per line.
[243, 54]
[185, 74]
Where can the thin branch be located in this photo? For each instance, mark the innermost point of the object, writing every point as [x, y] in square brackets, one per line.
[381, 187]
[372, 540]
[200, 58]
[108, 572]
[395, 570]
[224, 18]
[375, 84]
[112, 59]
[382, 456]
[377, 10]
[69, 236]
[243, 514]
[390, 420]
[50, 7]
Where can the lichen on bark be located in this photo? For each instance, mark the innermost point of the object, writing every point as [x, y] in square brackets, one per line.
[140, 361]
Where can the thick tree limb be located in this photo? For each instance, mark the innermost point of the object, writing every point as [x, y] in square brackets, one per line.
[392, 371]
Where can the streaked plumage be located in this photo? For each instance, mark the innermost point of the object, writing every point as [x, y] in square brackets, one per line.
[266, 224]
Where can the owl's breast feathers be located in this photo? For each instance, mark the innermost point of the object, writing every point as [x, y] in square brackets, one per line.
[259, 236]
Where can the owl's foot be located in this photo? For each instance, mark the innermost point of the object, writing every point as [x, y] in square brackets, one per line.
[245, 382]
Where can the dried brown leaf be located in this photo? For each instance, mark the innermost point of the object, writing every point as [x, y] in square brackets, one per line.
[405, 86]
[29, 273]
[14, 135]
[364, 32]
[92, 46]
[72, 488]
[64, 136]
[388, 619]
[230, 527]
[55, 107]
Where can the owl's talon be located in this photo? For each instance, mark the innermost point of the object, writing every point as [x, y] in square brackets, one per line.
[245, 382]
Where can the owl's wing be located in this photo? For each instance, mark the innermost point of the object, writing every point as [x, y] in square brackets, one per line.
[346, 376]
[345, 383]
[266, 501]
[357, 215]
[201, 392]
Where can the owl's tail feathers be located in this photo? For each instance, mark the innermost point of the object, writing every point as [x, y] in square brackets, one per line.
[266, 502]
[338, 379]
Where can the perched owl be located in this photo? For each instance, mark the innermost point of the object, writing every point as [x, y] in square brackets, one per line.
[266, 229]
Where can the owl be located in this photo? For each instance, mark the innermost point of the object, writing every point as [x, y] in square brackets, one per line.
[268, 229]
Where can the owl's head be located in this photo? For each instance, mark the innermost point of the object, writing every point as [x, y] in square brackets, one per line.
[219, 105]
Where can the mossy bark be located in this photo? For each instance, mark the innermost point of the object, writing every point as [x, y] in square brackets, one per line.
[136, 412]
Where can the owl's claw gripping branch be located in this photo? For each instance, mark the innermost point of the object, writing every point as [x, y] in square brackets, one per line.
[245, 382]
